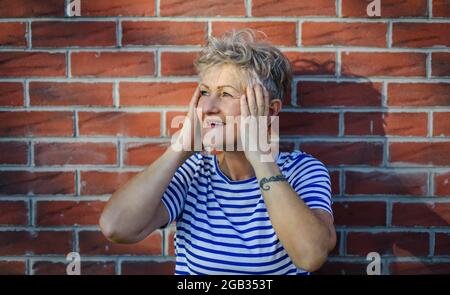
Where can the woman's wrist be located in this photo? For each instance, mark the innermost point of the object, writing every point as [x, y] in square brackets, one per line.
[179, 154]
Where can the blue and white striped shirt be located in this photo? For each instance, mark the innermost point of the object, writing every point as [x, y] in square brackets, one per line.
[223, 226]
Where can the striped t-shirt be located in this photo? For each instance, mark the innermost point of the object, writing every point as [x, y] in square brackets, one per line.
[223, 226]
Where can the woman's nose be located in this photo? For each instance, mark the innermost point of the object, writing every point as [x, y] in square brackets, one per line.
[211, 104]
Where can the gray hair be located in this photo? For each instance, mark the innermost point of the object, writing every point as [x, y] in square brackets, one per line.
[260, 60]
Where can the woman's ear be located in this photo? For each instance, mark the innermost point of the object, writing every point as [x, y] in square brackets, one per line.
[275, 107]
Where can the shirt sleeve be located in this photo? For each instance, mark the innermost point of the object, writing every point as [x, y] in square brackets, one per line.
[311, 181]
[175, 194]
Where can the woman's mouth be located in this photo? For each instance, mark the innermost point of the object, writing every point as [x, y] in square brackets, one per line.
[214, 124]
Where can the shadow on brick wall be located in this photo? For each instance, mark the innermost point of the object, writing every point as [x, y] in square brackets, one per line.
[370, 209]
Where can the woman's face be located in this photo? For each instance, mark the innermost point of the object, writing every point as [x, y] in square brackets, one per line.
[221, 88]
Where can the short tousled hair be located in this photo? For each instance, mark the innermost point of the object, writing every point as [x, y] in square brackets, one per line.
[259, 59]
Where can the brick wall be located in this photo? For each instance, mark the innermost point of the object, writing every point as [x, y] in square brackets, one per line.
[85, 101]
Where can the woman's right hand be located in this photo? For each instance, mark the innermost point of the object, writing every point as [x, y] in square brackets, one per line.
[188, 138]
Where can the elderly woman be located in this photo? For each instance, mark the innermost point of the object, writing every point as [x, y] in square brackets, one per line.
[234, 213]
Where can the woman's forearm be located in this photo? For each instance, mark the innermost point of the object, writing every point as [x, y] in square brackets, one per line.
[131, 209]
[305, 237]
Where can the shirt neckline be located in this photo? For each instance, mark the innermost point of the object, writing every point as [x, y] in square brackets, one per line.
[230, 181]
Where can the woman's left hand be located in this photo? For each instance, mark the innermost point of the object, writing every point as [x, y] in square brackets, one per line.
[254, 121]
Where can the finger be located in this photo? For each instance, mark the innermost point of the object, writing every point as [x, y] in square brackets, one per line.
[192, 123]
[195, 98]
[267, 102]
[245, 113]
[244, 106]
[259, 99]
[194, 103]
[251, 100]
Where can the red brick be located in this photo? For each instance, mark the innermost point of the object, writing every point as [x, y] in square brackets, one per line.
[375, 123]
[12, 268]
[24, 182]
[440, 63]
[11, 94]
[178, 63]
[156, 94]
[441, 124]
[49, 268]
[140, 154]
[202, 8]
[309, 123]
[419, 268]
[335, 185]
[441, 8]
[419, 94]
[383, 64]
[97, 268]
[345, 34]
[119, 123]
[171, 240]
[287, 101]
[70, 94]
[342, 268]
[148, 268]
[163, 33]
[35, 243]
[118, 8]
[278, 33]
[31, 8]
[100, 183]
[94, 243]
[60, 213]
[312, 63]
[75, 153]
[442, 244]
[13, 152]
[347, 94]
[113, 64]
[293, 8]
[393, 243]
[420, 214]
[36, 123]
[442, 184]
[13, 34]
[86, 268]
[13, 213]
[389, 8]
[385, 183]
[359, 213]
[345, 153]
[421, 153]
[420, 34]
[70, 34]
[32, 64]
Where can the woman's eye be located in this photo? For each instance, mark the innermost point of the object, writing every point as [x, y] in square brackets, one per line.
[205, 93]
